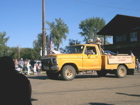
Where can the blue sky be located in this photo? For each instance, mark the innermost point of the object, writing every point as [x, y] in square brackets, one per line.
[22, 19]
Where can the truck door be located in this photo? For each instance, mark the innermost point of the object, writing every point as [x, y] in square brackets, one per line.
[91, 59]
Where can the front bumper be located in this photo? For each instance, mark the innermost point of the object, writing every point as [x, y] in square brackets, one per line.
[51, 68]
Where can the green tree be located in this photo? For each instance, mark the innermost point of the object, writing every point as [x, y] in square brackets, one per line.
[14, 52]
[29, 53]
[73, 42]
[4, 49]
[90, 27]
[58, 31]
[25, 53]
[37, 44]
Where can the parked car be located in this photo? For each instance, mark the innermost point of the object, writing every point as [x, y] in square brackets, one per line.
[108, 51]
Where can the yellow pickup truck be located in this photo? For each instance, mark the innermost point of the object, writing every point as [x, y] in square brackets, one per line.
[87, 57]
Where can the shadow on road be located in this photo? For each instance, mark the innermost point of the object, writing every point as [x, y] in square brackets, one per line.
[43, 77]
[135, 95]
[32, 99]
[79, 76]
[100, 104]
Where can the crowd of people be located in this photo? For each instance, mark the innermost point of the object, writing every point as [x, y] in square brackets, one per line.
[28, 67]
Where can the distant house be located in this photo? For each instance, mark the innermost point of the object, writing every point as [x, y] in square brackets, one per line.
[126, 34]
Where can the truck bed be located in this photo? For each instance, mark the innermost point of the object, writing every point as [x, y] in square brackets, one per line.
[112, 62]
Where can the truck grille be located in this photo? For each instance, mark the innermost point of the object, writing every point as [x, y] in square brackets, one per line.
[47, 62]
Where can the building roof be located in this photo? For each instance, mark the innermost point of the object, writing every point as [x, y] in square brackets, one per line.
[120, 24]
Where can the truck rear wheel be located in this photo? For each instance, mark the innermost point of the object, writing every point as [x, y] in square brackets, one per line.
[68, 72]
[52, 75]
[121, 71]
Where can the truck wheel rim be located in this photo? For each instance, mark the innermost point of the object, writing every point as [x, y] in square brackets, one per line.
[122, 71]
[69, 73]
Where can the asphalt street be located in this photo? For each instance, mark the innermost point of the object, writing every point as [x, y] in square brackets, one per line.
[86, 89]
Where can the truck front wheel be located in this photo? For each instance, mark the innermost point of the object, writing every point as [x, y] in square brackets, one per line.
[121, 71]
[52, 75]
[68, 72]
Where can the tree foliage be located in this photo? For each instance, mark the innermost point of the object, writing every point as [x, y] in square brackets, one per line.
[32, 54]
[73, 42]
[25, 53]
[90, 27]
[58, 31]
[3, 47]
[38, 43]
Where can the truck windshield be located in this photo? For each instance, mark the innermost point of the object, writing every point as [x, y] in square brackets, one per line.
[75, 49]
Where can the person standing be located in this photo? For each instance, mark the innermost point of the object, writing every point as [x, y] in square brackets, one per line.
[90, 41]
[15, 88]
[32, 62]
[38, 68]
[35, 69]
[16, 65]
[137, 65]
[98, 42]
[21, 64]
[28, 67]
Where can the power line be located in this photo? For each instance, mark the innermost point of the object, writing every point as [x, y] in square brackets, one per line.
[90, 3]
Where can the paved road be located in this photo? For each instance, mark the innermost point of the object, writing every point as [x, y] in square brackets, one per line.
[86, 90]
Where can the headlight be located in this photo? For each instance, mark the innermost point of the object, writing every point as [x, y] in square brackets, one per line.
[54, 61]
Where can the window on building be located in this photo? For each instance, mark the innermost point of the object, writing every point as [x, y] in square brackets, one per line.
[124, 37]
[133, 36]
[118, 38]
[121, 38]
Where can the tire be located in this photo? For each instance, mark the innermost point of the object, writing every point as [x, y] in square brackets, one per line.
[101, 73]
[121, 71]
[52, 75]
[68, 72]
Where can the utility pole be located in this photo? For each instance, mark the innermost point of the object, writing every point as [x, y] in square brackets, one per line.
[43, 29]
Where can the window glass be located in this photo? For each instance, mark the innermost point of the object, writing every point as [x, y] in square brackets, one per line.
[124, 37]
[90, 50]
[121, 38]
[133, 36]
[75, 49]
